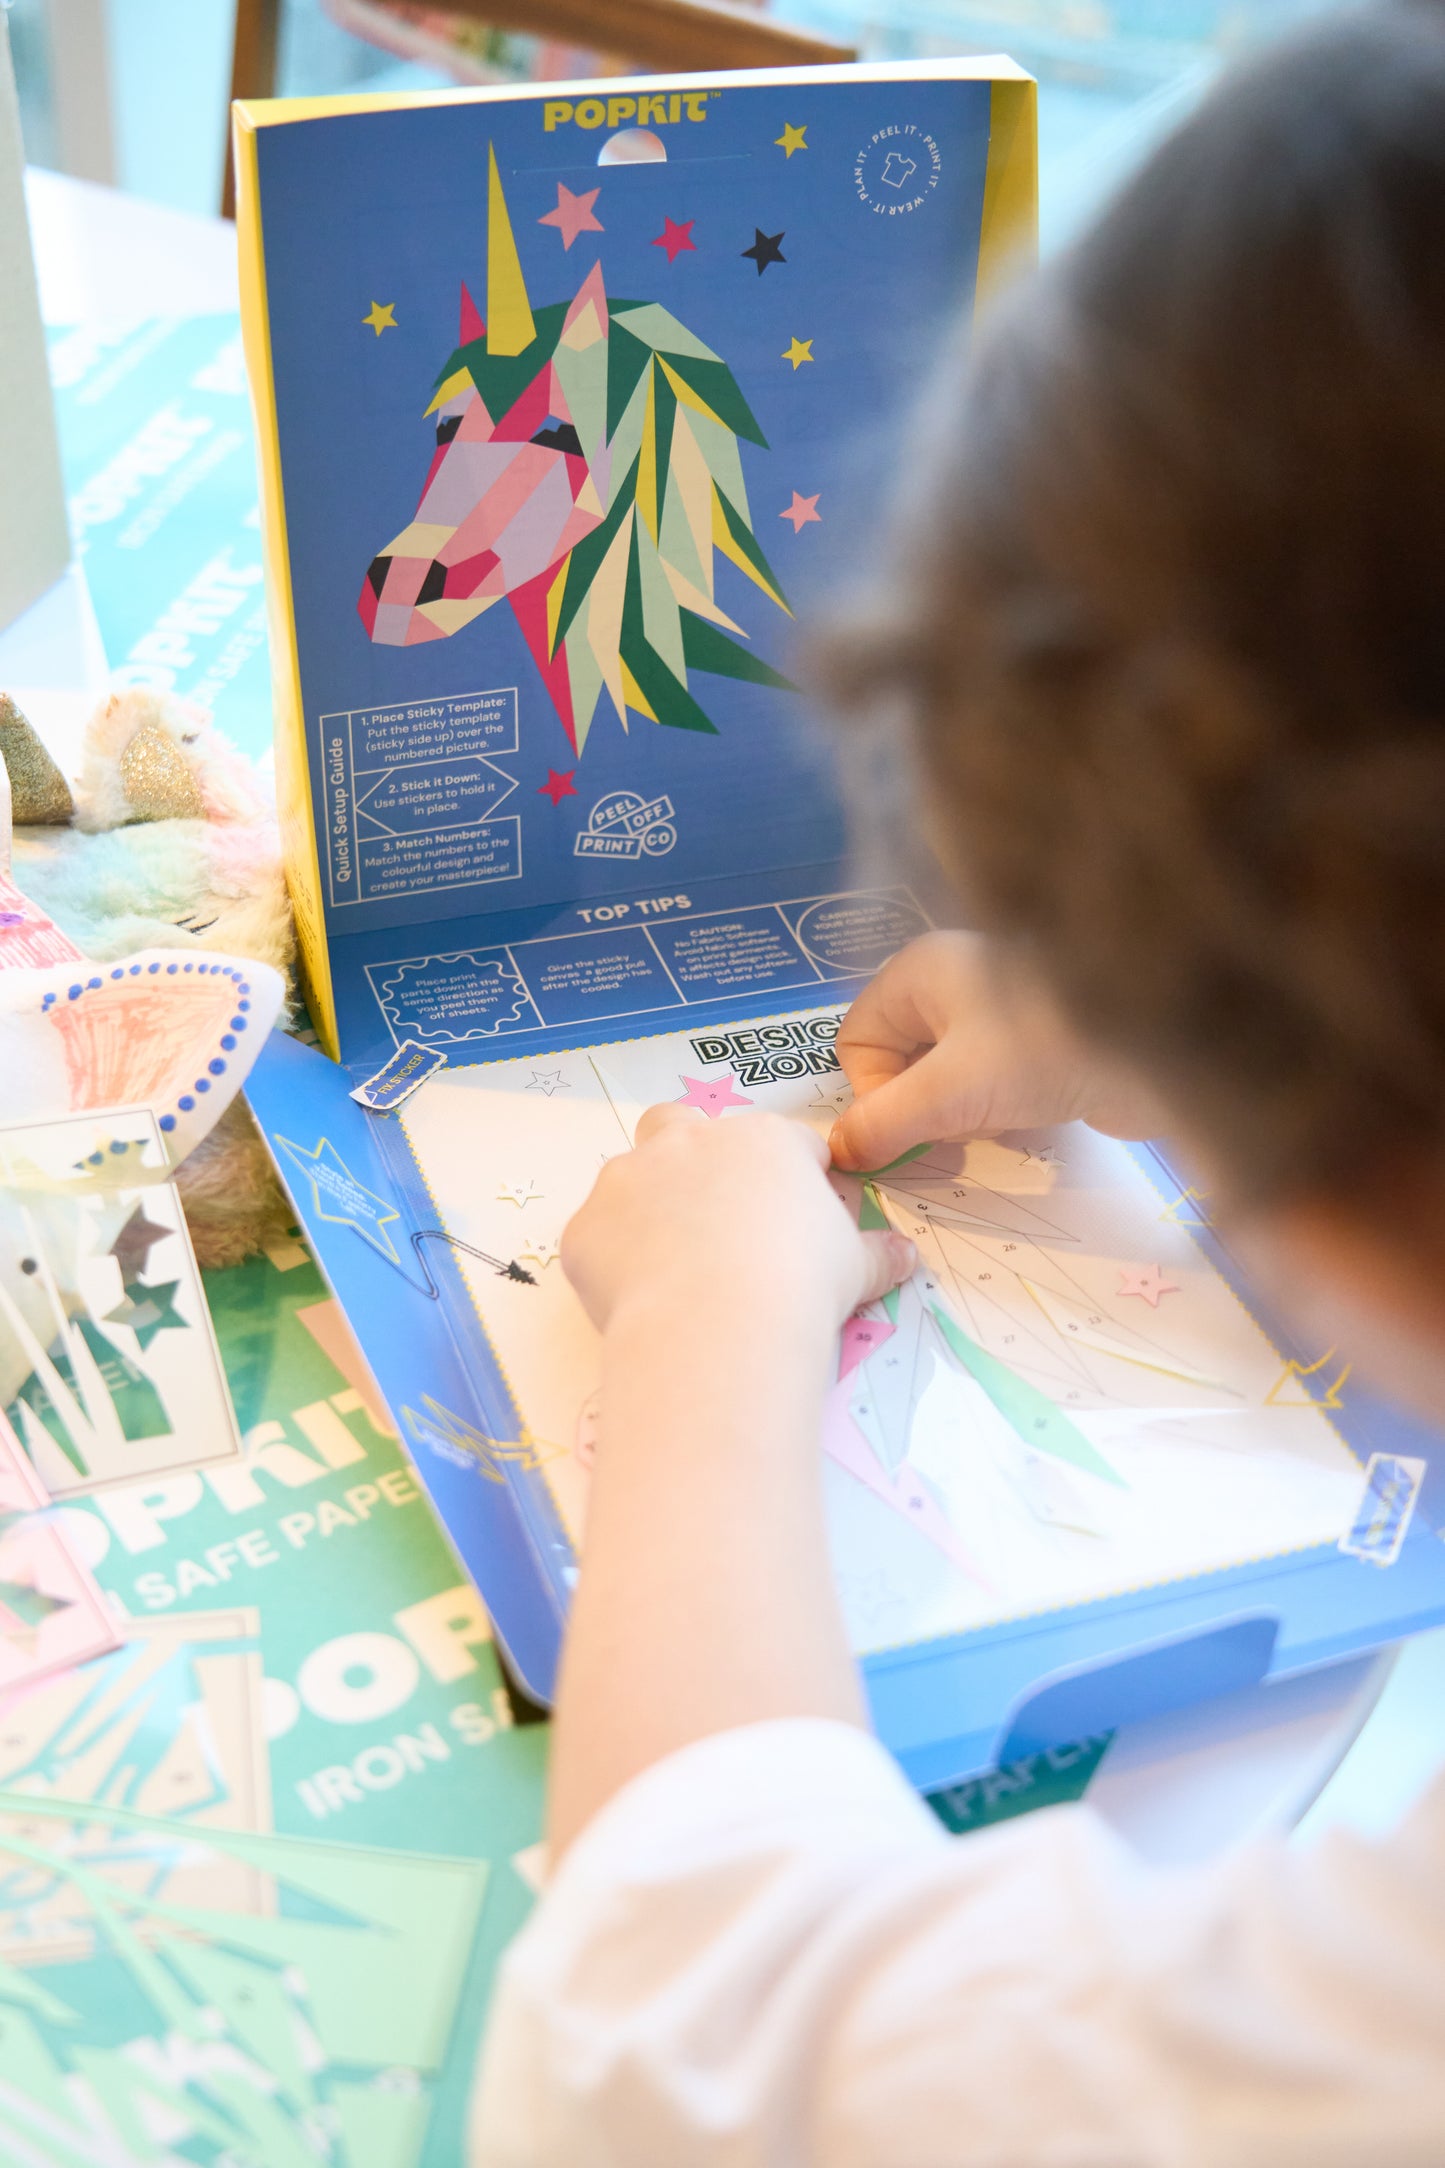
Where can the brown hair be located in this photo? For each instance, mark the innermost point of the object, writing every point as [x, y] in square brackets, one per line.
[1170, 634]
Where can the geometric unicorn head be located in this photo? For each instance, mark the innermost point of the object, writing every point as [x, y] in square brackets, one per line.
[587, 471]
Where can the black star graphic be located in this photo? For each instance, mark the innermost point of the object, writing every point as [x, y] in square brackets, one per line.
[765, 250]
[132, 1247]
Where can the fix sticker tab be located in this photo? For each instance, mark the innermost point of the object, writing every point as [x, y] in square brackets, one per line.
[408, 1069]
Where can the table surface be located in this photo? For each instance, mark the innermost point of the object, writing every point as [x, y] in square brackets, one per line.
[1179, 1787]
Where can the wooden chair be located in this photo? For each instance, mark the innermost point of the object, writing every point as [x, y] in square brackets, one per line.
[661, 35]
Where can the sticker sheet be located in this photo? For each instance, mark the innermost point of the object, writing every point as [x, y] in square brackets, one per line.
[1066, 1402]
[109, 1370]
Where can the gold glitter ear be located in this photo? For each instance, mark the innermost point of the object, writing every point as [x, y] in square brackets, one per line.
[157, 783]
[40, 793]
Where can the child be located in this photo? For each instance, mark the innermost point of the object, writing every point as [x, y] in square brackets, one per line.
[1173, 647]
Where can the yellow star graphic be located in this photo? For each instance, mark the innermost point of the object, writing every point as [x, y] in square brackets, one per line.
[382, 317]
[800, 351]
[791, 139]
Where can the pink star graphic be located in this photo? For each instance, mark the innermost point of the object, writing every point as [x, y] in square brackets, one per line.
[1147, 1282]
[677, 240]
[573, 214]
[710, 1097]
[801, 510]
[557, 787]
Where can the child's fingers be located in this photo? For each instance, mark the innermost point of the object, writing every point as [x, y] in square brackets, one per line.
[653, 1121]
[915, 1107]
[889, 1259]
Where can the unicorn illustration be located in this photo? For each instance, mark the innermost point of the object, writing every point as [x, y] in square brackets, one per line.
[587, 471]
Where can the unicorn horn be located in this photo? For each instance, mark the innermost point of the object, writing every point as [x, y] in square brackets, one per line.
[509, 313]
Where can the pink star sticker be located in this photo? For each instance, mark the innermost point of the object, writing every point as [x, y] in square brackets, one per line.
[711, 1097]
[677, 240]
[573, 214]
[557, 787]
[1147, 1282]
[801, 510]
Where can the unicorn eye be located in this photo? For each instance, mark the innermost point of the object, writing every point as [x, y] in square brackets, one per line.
[559, 437]
[447, 428]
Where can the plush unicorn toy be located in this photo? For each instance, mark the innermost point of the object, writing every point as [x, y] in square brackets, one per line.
[586, 471]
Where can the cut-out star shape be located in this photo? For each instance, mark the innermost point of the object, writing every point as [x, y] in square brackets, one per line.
[791, 139]
[518, 1193]
[710, 1096]
[1043, 1155]
[675, 240]
[333, 1184]
[132, 1247]
[541, 1249]
[381, 317]
[573, 214]
[801, 510]
[766, 249]
[548, 1081]
[1147, 1282]
[147, 1310]
[557, 787]
[797, 353]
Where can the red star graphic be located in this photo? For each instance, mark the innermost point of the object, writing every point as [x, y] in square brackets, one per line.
[676, 239]
[557, 787]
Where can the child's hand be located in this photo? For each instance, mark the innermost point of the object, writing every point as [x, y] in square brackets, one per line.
[709, 1214]
[938, 1047]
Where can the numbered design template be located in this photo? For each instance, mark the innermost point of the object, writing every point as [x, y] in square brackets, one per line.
[1066, 1402]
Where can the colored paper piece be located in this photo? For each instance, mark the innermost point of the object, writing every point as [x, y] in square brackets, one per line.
[213, 2027]
[766, 249]
[891, 1379]
[861, 1336]
[170, 1684]
[801, 511]
[586, 470]
[905, 1493]
[1147, 1282]
[519, 1193]
[711, 1096]
[132, 1247]
[1040, 1425]
[52, 1614]
[572, 214]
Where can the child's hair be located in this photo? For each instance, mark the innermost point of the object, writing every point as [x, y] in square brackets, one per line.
[1171, 628]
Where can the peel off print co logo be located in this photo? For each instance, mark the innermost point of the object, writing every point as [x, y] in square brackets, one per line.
[624, 825]
[897, 170]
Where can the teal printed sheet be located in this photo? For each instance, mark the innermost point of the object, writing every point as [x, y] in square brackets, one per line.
[160, 471]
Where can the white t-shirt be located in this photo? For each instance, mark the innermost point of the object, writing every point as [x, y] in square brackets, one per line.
[766, 1953]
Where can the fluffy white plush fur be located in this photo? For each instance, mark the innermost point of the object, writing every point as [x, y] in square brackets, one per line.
[118, 881]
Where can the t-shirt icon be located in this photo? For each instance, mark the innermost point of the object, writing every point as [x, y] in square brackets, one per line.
[897, 168]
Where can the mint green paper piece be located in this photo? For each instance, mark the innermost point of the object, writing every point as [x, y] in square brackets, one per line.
[381, 2127]
[259, 2012]
[904, 1159]
[1032, 1414]
[872, 1216]
[27, 2065]
[658, 328]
